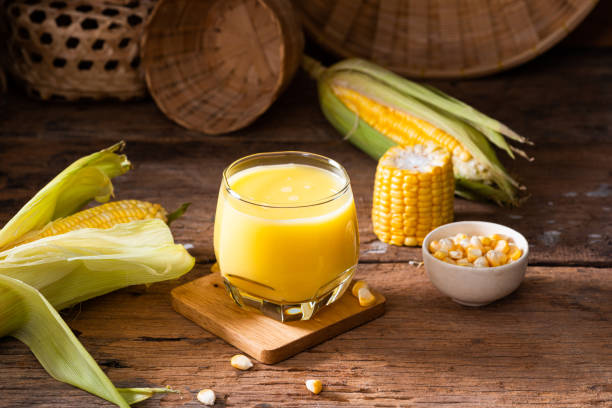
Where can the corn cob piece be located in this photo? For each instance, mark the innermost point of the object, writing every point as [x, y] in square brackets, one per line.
[376, 109]
[413, 193]
[103, 216]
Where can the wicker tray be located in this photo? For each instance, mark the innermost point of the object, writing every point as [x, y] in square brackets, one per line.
[75, 49]
[216, 65]
[444, 38]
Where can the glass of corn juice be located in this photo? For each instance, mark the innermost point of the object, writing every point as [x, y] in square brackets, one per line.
[286, 236]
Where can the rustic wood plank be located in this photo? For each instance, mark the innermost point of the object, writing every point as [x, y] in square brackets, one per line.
[546, 344]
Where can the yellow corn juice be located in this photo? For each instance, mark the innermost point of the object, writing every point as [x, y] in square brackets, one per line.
[285, 232]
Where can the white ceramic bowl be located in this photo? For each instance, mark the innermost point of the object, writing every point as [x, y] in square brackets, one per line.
[475, 286]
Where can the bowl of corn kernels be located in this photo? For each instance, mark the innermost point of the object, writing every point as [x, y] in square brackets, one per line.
[475, 262]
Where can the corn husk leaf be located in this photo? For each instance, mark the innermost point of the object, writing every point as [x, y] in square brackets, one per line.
[26, 315]
[62, 270]
[86, 179]
[82, 264]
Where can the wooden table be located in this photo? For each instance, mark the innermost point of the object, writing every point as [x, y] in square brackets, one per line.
[547, 344]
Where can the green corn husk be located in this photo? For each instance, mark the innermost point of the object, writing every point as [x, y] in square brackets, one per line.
[471, 128]
[51, 273]
[86, 179]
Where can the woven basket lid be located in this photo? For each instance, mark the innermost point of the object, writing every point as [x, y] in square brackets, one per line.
[216, 65]
[444, 38]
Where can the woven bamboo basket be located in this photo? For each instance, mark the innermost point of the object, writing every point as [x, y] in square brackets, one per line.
[444, 38]
[216, 65]
[76, 49]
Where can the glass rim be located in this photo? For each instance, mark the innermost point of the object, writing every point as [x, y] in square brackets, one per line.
[295, 153]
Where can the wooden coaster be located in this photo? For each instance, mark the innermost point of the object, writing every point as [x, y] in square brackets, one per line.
[205, 302]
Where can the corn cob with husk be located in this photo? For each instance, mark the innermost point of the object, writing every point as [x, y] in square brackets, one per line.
[376, 109]
[413, 193]
[103, 216]
[51, 259]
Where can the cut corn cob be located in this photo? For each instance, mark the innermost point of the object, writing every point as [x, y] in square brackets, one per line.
[413, 193]
[376, 109]
[103, 216]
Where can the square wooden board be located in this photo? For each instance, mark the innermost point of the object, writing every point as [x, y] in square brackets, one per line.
[206, 302]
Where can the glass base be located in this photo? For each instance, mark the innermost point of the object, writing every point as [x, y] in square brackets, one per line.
[292, 311]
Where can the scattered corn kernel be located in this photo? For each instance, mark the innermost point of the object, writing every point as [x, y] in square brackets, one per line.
[366, 298]
[241, 362]
[481, 262]
[496, 258]
[207, 397]
[476, 251]
[358, 285]
[314, 386]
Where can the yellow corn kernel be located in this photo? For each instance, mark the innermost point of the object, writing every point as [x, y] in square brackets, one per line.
[481, 262]
[412, 241]
[496, 258]
[207, 397]
[366, 298]
[456, 254]
[463, 262]
[458, 238]
[486, 241]
[403, 210]
[314, 386]
[241, 362]
[358, 285]
[515, 253]
[447, 244]
[440, 254]
[473, 253]
[502, 246]
[475, 242]
[497, 237]
[465, 243]
[449, 260]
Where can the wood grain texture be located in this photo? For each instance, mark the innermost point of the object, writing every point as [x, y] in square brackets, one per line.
[546, 344]
[206, 302]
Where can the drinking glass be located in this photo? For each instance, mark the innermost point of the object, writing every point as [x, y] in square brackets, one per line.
[289, 257]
